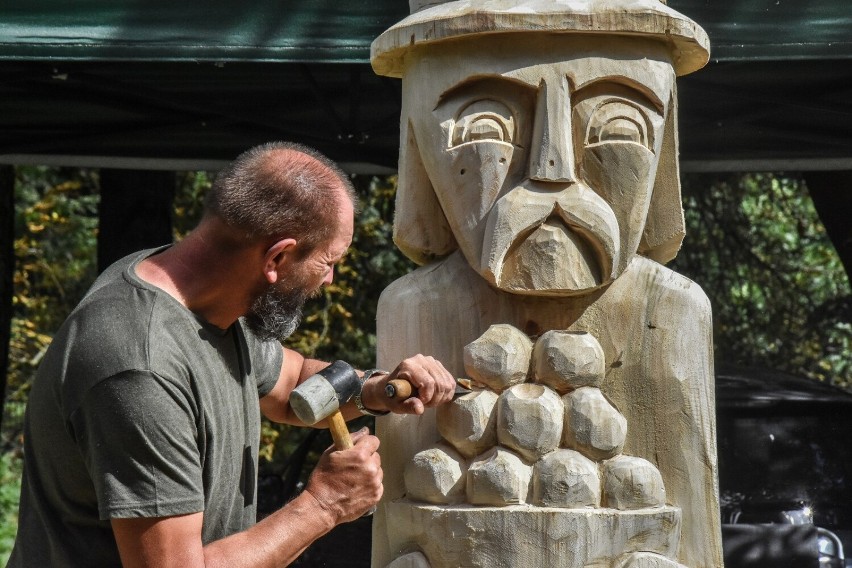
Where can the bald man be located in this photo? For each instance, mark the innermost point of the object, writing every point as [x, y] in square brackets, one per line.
[143, 424]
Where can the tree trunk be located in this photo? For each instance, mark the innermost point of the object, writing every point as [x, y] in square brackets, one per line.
[831, 192]
[135, 212]
[7, 270]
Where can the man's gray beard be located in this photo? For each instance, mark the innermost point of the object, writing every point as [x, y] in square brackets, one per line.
[276, 314]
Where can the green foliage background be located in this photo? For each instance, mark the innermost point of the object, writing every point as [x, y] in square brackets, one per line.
[780, 295]
[56, 221]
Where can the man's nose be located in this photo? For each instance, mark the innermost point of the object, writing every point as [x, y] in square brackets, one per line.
[552, 147]
[329, 276]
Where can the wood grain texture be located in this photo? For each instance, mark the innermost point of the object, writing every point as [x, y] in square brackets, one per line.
[538, 189]
[518, 536]
[654, 326]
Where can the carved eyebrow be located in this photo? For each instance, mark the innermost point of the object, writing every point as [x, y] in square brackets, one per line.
[620, 82]
[479, 81]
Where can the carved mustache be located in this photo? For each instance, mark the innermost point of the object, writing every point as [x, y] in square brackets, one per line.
[518, 213]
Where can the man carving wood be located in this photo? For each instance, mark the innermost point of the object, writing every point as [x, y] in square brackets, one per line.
[143, 423]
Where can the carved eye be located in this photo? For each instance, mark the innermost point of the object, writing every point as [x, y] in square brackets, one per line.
[617, 121]
[484, 127]
[484, 120]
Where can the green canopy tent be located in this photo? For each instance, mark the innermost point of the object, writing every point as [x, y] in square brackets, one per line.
[156, 85]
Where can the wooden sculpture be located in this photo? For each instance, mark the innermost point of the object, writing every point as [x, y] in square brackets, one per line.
[539, 190]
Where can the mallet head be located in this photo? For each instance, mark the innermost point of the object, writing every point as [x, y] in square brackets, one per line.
[320, 395]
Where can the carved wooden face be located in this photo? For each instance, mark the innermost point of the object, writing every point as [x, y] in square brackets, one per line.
[542, 151]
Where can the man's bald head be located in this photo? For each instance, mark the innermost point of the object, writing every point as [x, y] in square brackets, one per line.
[281, 190]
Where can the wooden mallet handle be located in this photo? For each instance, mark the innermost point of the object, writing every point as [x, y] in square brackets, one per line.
[343, 440]
[339, 431]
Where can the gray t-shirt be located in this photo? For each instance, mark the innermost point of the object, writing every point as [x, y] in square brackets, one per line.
[139, 409]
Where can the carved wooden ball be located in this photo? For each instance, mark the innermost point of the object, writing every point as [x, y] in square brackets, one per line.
[646, 560]
[499, 358]
[529, 420]
[632, 483]
[565, 478]
[411, 560]
[566, 360]
[498, 478]
[469, 422]
[436, 475]
[593, 426]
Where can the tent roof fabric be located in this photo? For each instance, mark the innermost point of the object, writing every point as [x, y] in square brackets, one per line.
[210, 31]
[341, 32]
[155, 83]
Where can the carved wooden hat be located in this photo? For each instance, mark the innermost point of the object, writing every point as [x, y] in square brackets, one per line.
[421, 230]
[432, 21]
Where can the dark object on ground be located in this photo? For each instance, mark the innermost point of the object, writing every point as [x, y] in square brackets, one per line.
[784, 458]
[770, 546]
[347, 546]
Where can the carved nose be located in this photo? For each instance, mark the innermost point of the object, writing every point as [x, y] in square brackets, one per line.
[552, 152]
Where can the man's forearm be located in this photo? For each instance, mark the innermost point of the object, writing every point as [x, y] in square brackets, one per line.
[175, 542]
[275, 541]
[434, 385]
[295, 370]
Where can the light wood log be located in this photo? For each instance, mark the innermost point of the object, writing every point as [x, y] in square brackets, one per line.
[662, 383]
[550, 161]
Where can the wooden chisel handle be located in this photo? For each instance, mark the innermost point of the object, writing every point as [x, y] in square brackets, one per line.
[398, 389]
[401, 389]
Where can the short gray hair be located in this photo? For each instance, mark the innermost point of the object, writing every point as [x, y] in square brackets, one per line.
[280, 190]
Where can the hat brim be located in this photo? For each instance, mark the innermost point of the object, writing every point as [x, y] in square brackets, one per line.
[688, 43]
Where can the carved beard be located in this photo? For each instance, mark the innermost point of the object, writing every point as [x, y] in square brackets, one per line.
[551, 243]
[277, 312]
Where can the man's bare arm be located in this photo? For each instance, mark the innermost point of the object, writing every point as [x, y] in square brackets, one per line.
[433, 383]
[343, 486]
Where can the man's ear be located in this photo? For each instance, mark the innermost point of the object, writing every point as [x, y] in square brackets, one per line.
[275, 256]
